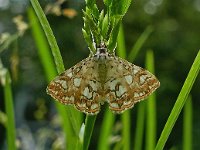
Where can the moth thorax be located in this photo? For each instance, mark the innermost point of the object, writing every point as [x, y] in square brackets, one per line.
[101, 54]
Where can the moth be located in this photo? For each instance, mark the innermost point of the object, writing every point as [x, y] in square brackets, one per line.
[103, 77]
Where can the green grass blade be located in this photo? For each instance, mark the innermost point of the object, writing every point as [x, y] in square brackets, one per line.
[42, 46]
[49, 34]
[10, 124]
[183, 95]
[109, 118]
[139, 43]
[89, 125]
[141, 111]
[151, 108]
[50, 72]
[126, 125]
[139, 126]
[106, 130]
[187, 124]
[121, 50]
[57, 57]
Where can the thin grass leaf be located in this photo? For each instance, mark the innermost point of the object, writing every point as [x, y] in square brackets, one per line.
[109, 117]
[187, 124]
[151, 108]
[42, 46]
[112, 41]
[121, 50]
[89, 125]
[139, 126]
[117, 8]
[139, 43]
[49, 34]
[183, 95]
[126, 125]
[106, 130]
[9, 107]
[134, 51]
[57, 57]
[50, 72]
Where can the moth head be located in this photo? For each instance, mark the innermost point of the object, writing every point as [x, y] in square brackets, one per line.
[101, 54]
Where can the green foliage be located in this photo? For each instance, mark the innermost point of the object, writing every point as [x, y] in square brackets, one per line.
[138, 139]
[138, 45]
[97, 27]
[117, 7]
[187, 124]
[103, 27]
[106, 130]
[49, 35]
[126, 123]
[89, 125]
[151, 108]
[9, 108]
[72, 125]
[121, 50]
[42, 46]
[125, 117]
[182, 97]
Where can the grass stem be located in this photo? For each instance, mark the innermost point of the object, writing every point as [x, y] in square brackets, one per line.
[182, 97]
[10, 124]
[89, 125]
[139, 126]
[151, 108]
[187, 124]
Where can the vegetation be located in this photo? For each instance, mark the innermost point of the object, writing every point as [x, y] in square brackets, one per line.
[29, 109]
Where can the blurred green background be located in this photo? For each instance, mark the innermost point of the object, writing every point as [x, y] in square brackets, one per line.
[175, 41]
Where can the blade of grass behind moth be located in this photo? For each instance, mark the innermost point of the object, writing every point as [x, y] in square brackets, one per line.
[121, 50]
[49, 35]
[10, 124]
[139, 126]
[126, 125]
[89, 125]
[151, 108]
[50, 72]
[56, 54]
[106, 129]
[139, 43]
[140, 111]
[125, 117]
[182, 97]
[187, 124]
[109, 118]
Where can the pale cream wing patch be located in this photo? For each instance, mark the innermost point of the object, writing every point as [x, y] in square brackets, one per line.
[127, 84]
[78, 86]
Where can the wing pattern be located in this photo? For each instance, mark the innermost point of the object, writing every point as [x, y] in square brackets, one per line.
[127, 84]
[90, 83]
[78, 86]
